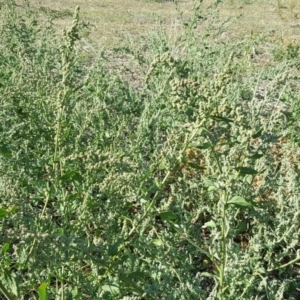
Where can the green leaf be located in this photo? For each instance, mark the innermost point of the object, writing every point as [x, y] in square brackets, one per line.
[210, 223]
[113, 289]
[3, 213]
[189, 112]
[256, 155]
[222, 119]
[5, 151]
[167, 216]
[77, 177]
[242, 227]
[202, 146]
[212, 188]
[257, 133]
[5, 247]
[157, 242]
[42, 290]
[206, 274]
[114, 248]
[72, 197]
[246, 170]
[72, 175]
[162, 166]
[195, 166]
[208, 183]
[137, 275]
[240, 201]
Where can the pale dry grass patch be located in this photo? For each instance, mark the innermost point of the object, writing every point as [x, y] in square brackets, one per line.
[112, 21]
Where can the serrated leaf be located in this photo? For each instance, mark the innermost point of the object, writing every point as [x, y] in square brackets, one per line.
[240, 201]
[246, 170]
[157, 242]
[42, 290]
[167, 216]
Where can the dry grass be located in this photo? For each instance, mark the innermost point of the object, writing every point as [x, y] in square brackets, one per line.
[114, 21]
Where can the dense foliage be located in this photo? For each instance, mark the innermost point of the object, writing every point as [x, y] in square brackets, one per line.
[172, 173]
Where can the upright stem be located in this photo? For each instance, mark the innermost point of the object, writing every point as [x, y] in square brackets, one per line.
[223, 246]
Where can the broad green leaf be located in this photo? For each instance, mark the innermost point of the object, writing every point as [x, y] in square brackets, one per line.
[210, 223]
[261, 270]
[207, 182]
[77, 177]
[246, 170]
[137, 275]
[162, 166]
[242, 226]
[113, 289]
[72, 197]
[189, 112]
[72, 175]
[3, 213]
[167, 216]
[212, 188]
[13, 209]
[42, 290]
[114, 248]
[10, 281]
[132, 259]
[68, 175]
[5, 247]
[257, 133]
[157, 242]
[249, 179]
[240, 201]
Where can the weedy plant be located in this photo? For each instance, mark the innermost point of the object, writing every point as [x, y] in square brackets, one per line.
[179, 184]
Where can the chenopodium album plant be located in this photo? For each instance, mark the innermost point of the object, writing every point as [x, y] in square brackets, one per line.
[184, 190]
[225, 150]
